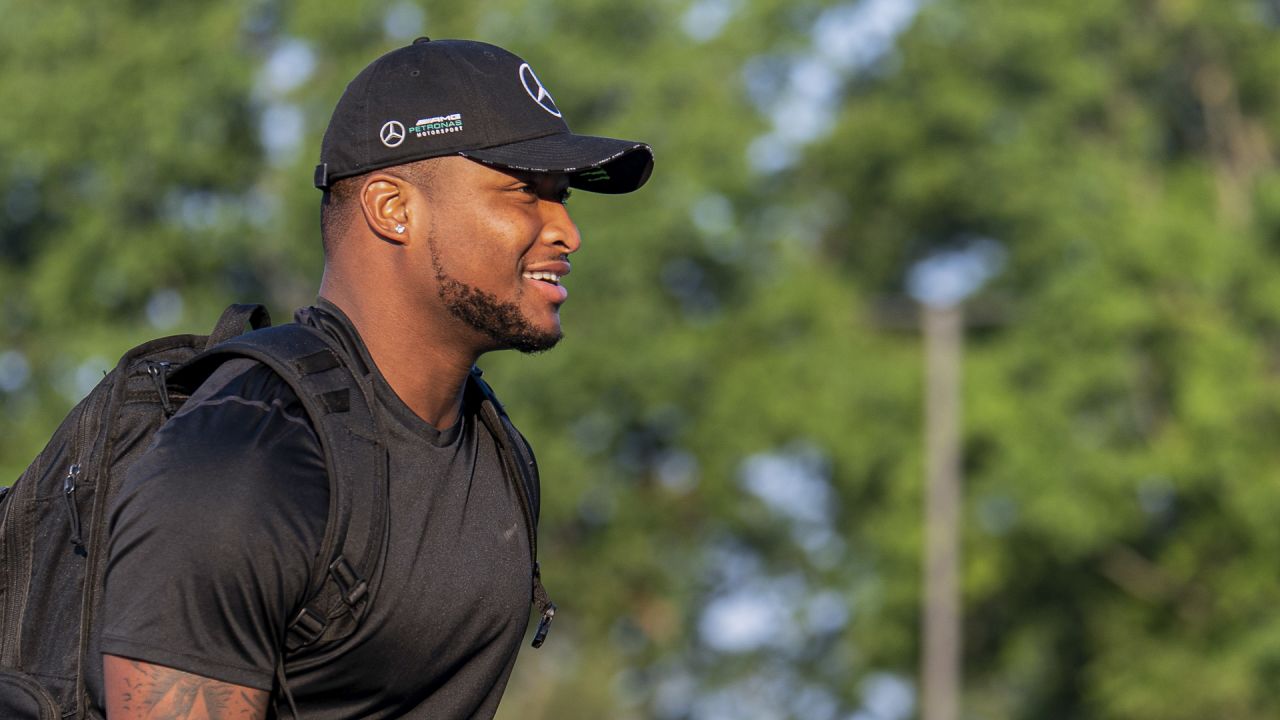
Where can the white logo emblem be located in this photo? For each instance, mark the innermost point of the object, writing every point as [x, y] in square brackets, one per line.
[392, 133]
[533, 86]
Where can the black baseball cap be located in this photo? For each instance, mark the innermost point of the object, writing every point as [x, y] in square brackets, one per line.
[462, 97]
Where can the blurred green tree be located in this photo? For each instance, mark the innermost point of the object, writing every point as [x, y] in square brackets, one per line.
[1121, 418]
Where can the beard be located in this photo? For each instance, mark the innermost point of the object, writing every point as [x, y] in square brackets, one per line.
[502, 322]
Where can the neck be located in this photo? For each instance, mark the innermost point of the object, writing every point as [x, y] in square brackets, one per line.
[428, 373]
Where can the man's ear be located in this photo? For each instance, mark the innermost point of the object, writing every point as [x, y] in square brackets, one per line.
[384, 200]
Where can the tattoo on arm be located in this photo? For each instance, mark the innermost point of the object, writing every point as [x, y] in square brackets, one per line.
[138, 690]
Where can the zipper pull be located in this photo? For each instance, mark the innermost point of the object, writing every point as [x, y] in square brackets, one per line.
[543, 601]
[544, 625]
[69, 494]
[159, 372]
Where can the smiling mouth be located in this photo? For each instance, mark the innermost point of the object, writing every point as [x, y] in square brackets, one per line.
[547, 277]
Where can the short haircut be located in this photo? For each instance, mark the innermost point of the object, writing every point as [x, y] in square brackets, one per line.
[340, 205]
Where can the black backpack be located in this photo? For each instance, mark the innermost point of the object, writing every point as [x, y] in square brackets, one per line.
[52, 520]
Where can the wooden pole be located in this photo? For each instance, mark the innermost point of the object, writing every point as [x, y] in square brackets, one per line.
[940, 670]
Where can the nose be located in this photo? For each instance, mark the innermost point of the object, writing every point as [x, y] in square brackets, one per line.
[558, 228]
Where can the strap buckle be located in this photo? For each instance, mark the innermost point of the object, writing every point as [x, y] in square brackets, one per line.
[307, 627]
[352, 587]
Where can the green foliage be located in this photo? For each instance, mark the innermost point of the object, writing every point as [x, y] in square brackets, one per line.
[1119, 422]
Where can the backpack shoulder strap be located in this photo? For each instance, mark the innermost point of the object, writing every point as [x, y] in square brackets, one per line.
[521, 469]
[340, 405]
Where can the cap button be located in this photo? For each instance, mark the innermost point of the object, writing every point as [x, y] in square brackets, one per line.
[423, 39]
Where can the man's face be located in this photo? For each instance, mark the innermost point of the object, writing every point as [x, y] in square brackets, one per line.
[499, 245]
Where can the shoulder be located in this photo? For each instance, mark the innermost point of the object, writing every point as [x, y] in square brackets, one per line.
[247, 383]
[240, 452]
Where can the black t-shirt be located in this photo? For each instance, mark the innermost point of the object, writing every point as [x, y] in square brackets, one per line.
[218, 525]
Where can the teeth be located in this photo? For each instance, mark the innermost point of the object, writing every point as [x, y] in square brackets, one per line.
[542, 275]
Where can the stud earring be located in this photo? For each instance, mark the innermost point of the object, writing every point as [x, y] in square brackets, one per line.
[399, 228]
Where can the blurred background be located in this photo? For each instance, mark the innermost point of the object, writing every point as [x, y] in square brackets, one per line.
[732, 434]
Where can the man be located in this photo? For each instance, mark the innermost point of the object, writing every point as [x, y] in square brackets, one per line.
[445, 168]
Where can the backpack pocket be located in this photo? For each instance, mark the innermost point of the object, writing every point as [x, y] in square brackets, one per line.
[22, 698]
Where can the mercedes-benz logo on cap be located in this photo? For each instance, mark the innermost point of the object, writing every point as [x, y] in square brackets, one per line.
[392, 133]
[533, 86]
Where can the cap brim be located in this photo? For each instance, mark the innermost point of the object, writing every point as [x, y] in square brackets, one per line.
[594, 164]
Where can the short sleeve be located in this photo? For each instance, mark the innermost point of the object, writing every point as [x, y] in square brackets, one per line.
[215, 531]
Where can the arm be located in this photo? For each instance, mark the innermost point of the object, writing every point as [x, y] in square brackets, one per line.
[213, 534]
[136, 690]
